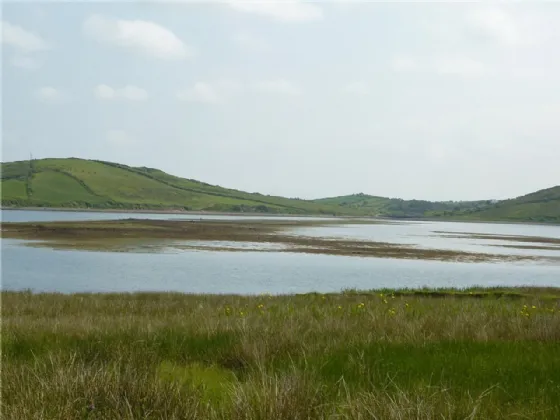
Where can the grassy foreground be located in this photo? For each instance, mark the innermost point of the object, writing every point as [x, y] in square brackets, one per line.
[474, 354]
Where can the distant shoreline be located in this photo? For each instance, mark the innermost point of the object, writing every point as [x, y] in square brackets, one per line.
[253, 214]
[170, 211]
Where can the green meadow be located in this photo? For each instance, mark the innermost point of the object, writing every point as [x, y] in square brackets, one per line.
[90, 184]
[403, 354]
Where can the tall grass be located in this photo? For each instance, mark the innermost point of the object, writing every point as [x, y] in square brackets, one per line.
[380, 355]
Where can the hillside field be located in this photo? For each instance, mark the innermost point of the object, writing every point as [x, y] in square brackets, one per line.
[90, 184]
[82, 183]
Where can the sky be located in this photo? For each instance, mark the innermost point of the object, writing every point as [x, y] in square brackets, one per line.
[437, 101]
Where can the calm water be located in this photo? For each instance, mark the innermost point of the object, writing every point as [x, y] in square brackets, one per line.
[43, 269]
[440, 235]
[49, 216]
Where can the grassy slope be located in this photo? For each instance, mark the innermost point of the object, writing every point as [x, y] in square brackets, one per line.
[96, 184]
[395, 207]
[59, 188]
[14, 188]
[540, 206]
[290, 205]
[488, 354]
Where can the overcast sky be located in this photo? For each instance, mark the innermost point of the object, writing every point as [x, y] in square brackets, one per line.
[411, 100]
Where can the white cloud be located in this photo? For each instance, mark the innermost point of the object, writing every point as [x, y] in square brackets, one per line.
[142, 36]
[22, 40]
[104, 92]
[456, 65]
[514, 27]
[356, 88]
[495, 23]
[459, 66]
[403, 63]
[281, 87]
[26, 45]
[228, 87]
[50, 94]
[346, 5]
[133, 93]
[250, 42]
[437, 151]
[284, 11]
[201, 92]
[210, 92]
[129, 92]
[119, 138]
[25, 62]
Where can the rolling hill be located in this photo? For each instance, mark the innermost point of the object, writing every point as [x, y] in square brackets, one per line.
[540, 206]
[79, 183]
[83, 183]
[398, 208]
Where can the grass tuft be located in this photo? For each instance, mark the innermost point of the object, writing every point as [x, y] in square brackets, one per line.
[383, 354]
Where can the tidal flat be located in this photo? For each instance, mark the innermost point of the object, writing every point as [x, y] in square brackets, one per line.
[511, 238]
[143, 235]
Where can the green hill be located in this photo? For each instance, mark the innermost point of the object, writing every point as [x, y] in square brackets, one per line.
[540, 206]
[96, 184]
[395, 207]
[83, 183]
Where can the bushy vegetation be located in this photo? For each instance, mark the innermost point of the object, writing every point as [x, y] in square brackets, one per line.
[472, 354]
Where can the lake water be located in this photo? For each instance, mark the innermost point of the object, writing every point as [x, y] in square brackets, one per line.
[249, 272]
[49, 216]
[443, 235]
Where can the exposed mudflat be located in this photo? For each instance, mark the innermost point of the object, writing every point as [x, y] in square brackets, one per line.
[141, 235]
[512, 238]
